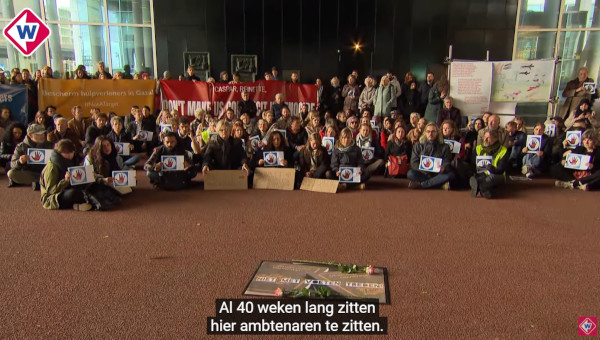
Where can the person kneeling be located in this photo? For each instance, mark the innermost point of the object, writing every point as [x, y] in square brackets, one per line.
[430, 144]
[491, 175]
[347, 154]
[56, 190]
[314, 160]
[172, 179]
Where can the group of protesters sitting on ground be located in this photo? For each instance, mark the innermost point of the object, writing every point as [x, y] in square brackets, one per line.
[372, 136]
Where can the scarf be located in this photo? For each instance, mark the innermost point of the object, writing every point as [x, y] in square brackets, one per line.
[346, 148]
[490, 150]
[363, 142]
[61, 163]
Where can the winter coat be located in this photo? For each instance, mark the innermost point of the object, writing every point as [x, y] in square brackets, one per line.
[384, 100]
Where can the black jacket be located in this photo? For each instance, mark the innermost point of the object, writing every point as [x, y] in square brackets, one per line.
[433, 149]
[247, 106]
[224, 154]
[351, 158]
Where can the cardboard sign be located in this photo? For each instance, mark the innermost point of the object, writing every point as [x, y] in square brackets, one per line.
[590, 88]
[255, 142]
[124, 178]
[123, 149]
[534, 143]
[328, 143]
[430, 164]
[82, 174]
[577, 161]
[164, 128]
[226, 180]
[368, 153]
[349, 174]
[146, 136]
[573, 139]
[481, 162]
[319, 185]
[550, 130]
[273, 158]
[212, 135]
[172, 163]
[274, 178]
[454, 145]
[38, 156]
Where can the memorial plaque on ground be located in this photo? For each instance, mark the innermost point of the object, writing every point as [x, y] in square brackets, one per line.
[290, 276]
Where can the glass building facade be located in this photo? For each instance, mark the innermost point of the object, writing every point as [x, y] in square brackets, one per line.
[568, 30]
[84, 32]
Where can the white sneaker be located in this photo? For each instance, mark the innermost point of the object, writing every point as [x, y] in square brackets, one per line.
[82, 207]
[524, 169]
[564, 184]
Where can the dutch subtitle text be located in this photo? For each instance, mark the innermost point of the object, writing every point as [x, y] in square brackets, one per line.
[292, 316]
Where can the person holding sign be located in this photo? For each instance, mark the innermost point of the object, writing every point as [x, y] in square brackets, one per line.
[575, 92]
[104, 158]
[574, 172]
[13, 135]
[171, 180]
[56, 190]
[431, 144]
[398, 152]
[347, 154]
[119, 135]
[314, 160]
[489, 174]
[21, 169]
[371, 150]
[224, 152]
[538, 154]
[277, 142]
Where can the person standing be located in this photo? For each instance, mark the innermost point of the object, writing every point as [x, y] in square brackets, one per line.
[575, 92]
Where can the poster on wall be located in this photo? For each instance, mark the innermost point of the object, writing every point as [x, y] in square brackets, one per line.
[522, 81]
[200, 61]
[471, 86]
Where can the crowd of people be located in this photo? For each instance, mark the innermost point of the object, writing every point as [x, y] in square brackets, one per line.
[390, 128]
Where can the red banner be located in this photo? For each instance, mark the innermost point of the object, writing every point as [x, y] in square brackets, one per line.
[190, 95]
[185, 96]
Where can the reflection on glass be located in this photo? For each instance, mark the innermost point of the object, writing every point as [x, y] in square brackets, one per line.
[580, 14]
[532, 112]
[535, 45]
[578, 49]
[10, 8]
[75, 10]
[131, 46]
[129, 11]
[77, 45]
[539, 13]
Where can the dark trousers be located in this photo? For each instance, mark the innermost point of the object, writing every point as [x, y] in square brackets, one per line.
[69, 197]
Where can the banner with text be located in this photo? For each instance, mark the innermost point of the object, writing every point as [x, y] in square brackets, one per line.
[15, 98]
[107, 95]
[186, 96]
[471, 86]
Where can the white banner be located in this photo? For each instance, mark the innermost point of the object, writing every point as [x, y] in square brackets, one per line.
[471, 86]
[523, 81]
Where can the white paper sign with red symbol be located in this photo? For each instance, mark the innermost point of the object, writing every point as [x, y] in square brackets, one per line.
[368, 153]
[273, 158]
[573, 139]
[82, 174]
[349, 174]
[164, 128]
[430, 164]
[38, 156]
[328, 143]
[255, 142]
[534, 143]
[123, 149]
[172, 163]
[550, 130]
[124, 178]
[577, 162]
[146, 136]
